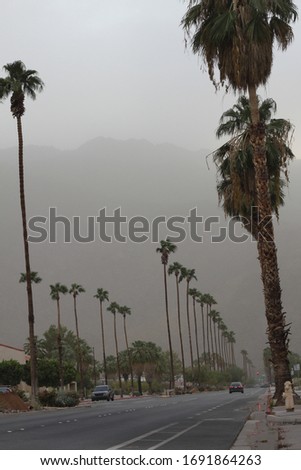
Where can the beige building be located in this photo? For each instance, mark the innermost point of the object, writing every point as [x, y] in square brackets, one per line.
[9, 352]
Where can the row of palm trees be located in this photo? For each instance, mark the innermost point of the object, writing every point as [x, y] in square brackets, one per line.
[217, 341]
[58, 289]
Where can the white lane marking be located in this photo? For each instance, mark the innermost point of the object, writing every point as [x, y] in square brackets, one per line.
[174, 436]
[139, 438]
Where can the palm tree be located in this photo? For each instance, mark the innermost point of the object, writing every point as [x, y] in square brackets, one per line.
[18, 84]
[75, 290]
[214, 315]
[237, 38]
[201, 300]
[34, 277]
[124, 311]
[244, 354]
[175, 269]
[114, 308]
[165, 249]
[231, 341]
[102, 295]
[55, 291]
[189, 275]
[221, 330]
[209, 301]
[144, 355]
[194, 293]
[236, 187]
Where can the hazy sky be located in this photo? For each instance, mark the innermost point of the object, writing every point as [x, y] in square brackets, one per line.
[118, 68]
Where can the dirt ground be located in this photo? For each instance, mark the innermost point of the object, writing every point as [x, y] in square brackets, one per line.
[12, 402]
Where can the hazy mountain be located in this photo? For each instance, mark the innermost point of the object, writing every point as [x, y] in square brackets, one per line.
[145, 180]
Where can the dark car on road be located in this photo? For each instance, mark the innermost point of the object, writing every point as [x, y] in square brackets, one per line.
[102, 392]
[236, 387]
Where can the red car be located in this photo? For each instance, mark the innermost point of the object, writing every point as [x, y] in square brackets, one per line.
[236, 387]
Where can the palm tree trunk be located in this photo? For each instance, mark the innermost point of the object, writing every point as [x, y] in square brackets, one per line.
[32, 338]
[128, 353]
[196, 339]
[204, 334]
[180, 333]
[117, 354]
[172, 374]
[188, 324]
[212, 345]
[103, 343]
[222, 365]
[79, 351]
[277, 330]
[59, 345]
[208, 338]
[215, 344]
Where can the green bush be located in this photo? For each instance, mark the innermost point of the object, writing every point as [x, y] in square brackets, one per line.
[59, 399]
[47, 398]
[66, 399]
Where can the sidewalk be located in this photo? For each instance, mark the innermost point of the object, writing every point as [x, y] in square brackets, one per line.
[279, 429]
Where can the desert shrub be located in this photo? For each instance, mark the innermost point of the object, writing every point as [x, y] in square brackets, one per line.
[66, 399]
[58, 398]
[47, 398]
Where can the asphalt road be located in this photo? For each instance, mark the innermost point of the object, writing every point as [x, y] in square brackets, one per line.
[210, 420]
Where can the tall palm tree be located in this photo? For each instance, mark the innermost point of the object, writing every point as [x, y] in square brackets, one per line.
[194, 293]
[103, 296]
[19, 83]
[114, 308]
[165, 249]
[34, 277]
[175, 269]
[55, 291]
[201, 301]
[244, 354]
[124, 311]
[75, 290]
[231, 341]
[214, 315]
[188, 275]
[237, 38]
[234, 159]
[221, 330]
[209, 301]
[225, 336]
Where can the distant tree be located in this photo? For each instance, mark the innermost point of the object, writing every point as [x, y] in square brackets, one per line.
[144, 355]
[201, 300]
[55, 291]
[188, 275]
[114, 308]
[124, 311]
[175, 269]
[209, 301]
[102, 295]
[195, 294]
[75, 290]
[165, 249]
